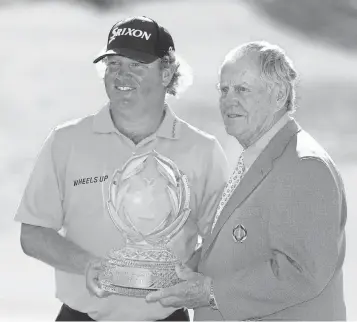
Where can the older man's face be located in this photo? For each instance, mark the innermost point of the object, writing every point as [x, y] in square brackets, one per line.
[246, 102]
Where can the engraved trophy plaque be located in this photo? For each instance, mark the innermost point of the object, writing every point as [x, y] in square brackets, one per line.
[148, 203]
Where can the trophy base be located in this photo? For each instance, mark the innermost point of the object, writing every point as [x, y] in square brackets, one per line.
[125, 291]
[137, 281]
[138, 277]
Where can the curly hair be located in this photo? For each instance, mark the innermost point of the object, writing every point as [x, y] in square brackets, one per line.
[170, 62]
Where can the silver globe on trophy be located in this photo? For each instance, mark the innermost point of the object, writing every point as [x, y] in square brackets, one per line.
[149, 204]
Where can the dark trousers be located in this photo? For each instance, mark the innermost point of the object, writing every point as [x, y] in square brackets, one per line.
[68, 314]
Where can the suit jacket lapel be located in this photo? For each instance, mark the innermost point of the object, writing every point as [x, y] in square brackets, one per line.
[256, 173]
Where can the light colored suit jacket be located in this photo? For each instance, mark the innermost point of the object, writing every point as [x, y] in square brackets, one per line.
[292, 206]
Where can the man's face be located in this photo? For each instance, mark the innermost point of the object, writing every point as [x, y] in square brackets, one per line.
[131, 85]
[246, 102]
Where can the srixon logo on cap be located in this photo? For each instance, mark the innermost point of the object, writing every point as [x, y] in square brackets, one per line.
[129, 32]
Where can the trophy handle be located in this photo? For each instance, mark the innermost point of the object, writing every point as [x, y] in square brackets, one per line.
[180, 221]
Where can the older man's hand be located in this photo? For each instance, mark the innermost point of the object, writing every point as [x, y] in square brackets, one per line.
[193, 292]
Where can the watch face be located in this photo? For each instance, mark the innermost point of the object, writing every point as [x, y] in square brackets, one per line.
[212, 300]
[212, 303]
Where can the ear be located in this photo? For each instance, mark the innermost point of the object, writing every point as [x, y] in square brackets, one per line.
[167, 74]
[281, 96]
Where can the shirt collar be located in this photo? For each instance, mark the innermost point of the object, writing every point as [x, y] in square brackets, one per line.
[102, 121]
[253, 151]
[170, 127]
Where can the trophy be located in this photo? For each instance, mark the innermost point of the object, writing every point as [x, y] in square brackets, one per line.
[149, 204]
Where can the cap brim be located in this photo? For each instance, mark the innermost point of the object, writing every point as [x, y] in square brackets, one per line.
[129, 53]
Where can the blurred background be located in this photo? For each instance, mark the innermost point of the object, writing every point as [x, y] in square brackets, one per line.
[47, 77]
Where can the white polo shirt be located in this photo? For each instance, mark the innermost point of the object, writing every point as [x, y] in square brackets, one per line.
[68, 190]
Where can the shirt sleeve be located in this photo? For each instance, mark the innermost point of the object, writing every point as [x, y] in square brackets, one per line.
[215, 177]
[41, 203]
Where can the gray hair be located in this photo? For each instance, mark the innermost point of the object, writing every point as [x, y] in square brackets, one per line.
[275, 66]
[182, 73]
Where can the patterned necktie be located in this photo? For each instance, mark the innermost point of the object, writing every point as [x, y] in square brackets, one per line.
[230, 187]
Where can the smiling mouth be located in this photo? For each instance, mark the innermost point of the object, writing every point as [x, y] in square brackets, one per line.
[124, 88]
[232, 116]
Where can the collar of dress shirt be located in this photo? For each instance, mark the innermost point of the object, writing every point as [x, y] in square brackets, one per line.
[253, 151]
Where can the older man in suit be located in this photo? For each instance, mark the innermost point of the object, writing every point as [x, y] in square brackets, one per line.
[277, 244]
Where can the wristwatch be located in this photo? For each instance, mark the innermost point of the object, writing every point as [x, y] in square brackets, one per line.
[212, 299]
